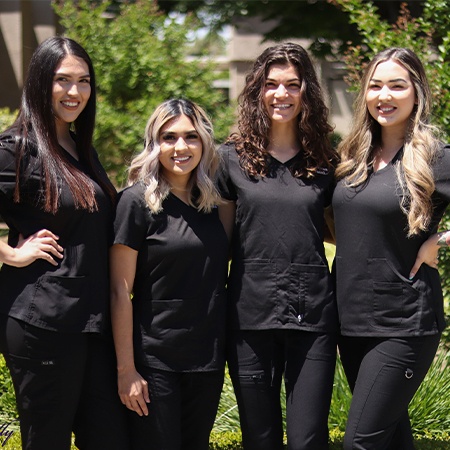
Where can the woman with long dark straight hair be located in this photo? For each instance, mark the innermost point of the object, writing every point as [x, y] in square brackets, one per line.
[58, 203]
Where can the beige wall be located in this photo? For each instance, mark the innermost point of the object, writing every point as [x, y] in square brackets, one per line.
[23, 25]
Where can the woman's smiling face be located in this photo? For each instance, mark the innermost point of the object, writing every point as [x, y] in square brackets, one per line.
[282, 93]
[390, 95]
[71, 89]
[181, 148]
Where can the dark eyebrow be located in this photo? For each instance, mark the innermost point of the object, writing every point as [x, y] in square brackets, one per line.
[292, 79]
[395, 80]
[165, 133]
[62, 74]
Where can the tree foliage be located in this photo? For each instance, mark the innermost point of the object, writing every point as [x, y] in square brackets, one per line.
[320, 21]
[428, 36]
[140, 58]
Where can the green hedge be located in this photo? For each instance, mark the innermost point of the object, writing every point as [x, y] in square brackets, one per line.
[232, 441]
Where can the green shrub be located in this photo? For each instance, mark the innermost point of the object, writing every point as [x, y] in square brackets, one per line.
[430, 407]
[6, 118]
[8, 410]
[140, 58]
[225, 440]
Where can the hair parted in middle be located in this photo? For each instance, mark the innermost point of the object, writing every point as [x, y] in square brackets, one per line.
[421, 142]
[254, 123]
[146, 167]
[35, 125]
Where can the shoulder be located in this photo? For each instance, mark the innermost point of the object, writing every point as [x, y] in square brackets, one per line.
[442, 158]
[227, 149]
[8, 142]
[131, 209]
[12, 138]
[443, 151]
[228, 153]
[133, 193]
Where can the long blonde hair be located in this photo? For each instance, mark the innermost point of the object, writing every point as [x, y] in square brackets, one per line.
[146, 168]
[414, 168]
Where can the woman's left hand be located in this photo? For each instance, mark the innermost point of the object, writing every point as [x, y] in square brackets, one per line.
[428, 253]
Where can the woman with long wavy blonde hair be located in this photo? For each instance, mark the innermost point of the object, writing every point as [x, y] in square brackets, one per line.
[392, 191]
[170, 257]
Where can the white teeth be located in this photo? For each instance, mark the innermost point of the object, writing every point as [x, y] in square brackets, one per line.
[181, 158]
[70, 103]
[386, 109]
[281, 106]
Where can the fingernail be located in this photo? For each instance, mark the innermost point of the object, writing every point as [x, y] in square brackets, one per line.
[411, 276]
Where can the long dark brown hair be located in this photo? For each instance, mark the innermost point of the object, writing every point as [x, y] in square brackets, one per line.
[34, 130]
[254, 123]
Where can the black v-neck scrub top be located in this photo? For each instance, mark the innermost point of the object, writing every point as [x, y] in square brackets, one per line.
[74, 295]
[374, 257]
[279, 277]
[179, 301]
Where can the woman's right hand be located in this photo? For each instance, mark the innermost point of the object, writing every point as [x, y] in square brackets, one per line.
[133, 391]
[40, 245]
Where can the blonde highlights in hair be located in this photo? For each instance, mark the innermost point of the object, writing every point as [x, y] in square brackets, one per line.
[146, 168]
[421, 143]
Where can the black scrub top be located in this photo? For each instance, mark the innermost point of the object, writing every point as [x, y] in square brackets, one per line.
[279, 277]
[74, 295]
[179, 287]
[374, 257]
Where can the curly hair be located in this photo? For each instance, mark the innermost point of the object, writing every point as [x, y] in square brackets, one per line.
[146, 167]
[421, 144]
[254, 123]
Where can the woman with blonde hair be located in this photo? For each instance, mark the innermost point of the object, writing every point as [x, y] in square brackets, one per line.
[168, 271]
[392, 192]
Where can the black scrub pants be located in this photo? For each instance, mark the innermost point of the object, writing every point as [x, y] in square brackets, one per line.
[383, 374]
[63, 382]
[257, 361]
[182, 410]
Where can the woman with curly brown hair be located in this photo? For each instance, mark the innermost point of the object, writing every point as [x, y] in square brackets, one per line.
[277, 175]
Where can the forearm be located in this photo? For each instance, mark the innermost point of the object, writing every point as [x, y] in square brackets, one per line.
[7, 254]
[132, 388]
[122, 327]
[122, 272]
